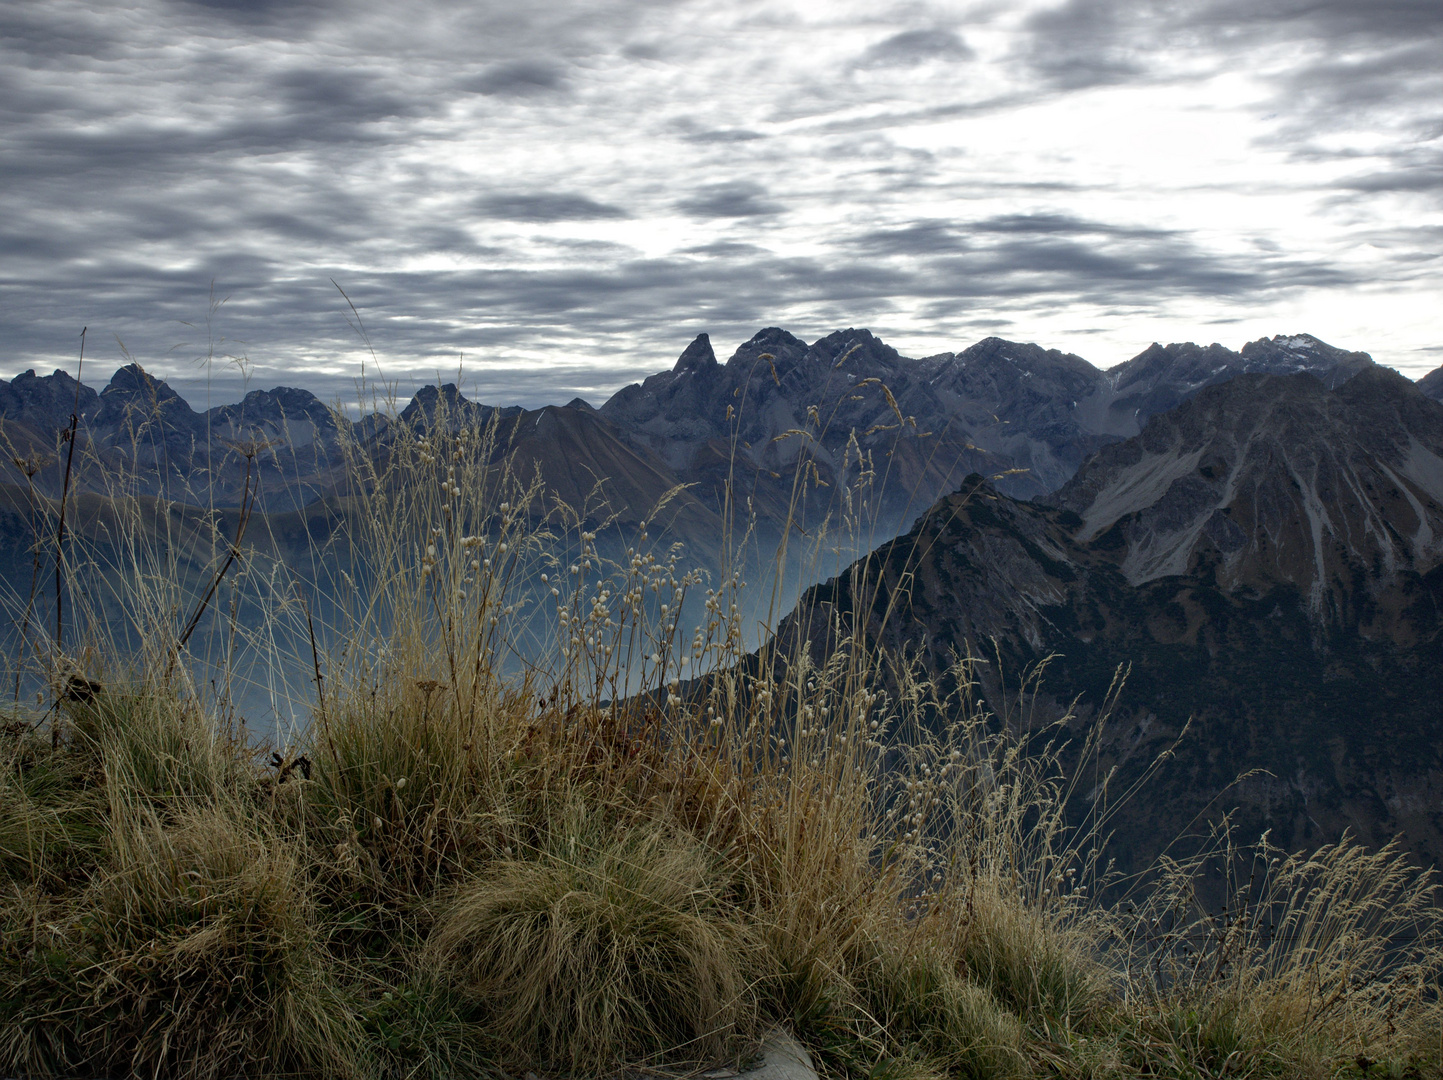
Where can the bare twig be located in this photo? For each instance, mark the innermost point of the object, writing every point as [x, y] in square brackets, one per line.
[248, 502]
[64, 496]
[315, 649]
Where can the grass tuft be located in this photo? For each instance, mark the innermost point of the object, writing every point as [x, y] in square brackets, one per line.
[598, 947]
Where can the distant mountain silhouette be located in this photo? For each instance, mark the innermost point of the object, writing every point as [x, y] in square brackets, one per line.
[995, 407]
[1023, 413]
[734, 437]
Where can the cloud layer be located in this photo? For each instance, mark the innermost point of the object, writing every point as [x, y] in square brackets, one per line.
[556, 198]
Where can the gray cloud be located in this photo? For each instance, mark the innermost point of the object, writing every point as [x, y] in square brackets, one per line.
[722, 172]
[734, 199]
[723, 135]
[1336, 75]
[726, 249]
[1086, 43]
[1061, 225]
[1119, 39]
[546, 207]
[1416, 178]
[322, 98]
[257, 9]
[520, 78]
[697, 129]
[917, 238]
[1347, 59]
[916, 46]
[727, 288]
[1040, 236]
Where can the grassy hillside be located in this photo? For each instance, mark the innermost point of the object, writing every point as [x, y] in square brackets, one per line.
[464, 866]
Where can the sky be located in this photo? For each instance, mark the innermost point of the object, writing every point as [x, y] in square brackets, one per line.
[553, 198]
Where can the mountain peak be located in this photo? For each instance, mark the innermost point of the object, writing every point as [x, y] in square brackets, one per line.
[1294, 343]
[857, 347]
[773, 335]
[427, 398]
[697, 356]
[774, 340]
[1286, 353]
[133, 395]
[132, 379]
[1025, 355]
[43, 401]
[457, 408]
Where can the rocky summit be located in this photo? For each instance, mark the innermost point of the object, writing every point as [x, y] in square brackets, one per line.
[875, 437]
[1029, 414]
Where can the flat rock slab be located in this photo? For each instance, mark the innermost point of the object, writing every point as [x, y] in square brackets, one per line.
[783, 1058]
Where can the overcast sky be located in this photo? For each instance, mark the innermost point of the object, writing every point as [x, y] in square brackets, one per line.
[559, 195]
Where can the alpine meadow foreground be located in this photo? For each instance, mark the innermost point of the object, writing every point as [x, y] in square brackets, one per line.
[535, 822]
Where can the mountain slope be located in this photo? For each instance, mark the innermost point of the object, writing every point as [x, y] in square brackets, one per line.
[1432, 384]
[1266, 559]
[1283, 481]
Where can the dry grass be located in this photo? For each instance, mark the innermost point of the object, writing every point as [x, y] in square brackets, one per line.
[595, 942]
[536, 822]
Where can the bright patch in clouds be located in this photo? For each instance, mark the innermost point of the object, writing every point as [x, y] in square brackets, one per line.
[559, 196]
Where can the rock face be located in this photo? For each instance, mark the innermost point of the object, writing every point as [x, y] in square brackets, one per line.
[1021, 402]
[1280, 479]
[779, 402]
[44, 403]
[1159, 378]
[1268, 558]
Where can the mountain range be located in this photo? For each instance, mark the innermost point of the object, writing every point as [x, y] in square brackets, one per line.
[1258, 534]
[1028, 415]
[734, 437]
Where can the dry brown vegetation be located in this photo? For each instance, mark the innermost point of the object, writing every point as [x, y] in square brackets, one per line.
[626, 843]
